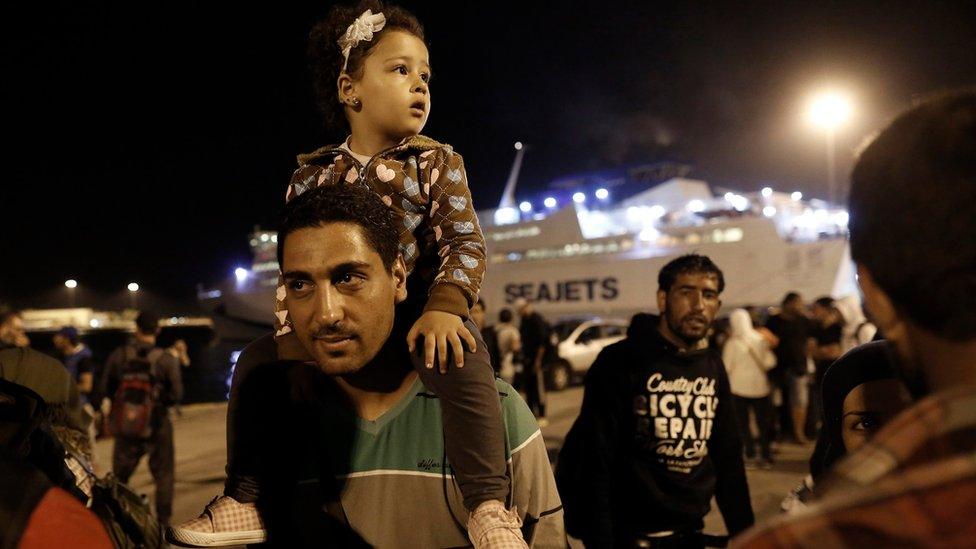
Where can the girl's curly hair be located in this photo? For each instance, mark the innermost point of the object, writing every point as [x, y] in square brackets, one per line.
[325, 58]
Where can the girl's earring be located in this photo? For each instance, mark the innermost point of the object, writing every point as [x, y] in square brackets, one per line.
[356, 102]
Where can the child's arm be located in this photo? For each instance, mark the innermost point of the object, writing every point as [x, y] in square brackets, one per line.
[462, 249]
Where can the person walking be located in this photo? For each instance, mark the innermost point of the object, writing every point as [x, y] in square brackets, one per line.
[748, 358]
[534, 332]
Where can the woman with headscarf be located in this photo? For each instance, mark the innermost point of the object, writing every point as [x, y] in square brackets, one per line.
[747, 358]
[861, 393]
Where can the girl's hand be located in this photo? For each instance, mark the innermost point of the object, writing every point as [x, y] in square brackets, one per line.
[440, 329]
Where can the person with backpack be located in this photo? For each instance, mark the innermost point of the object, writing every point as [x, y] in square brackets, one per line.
[143, 382]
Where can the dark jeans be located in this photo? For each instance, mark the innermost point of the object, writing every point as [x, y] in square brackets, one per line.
[474, 434]
[126, 454]
[534, 385]
[763, 408]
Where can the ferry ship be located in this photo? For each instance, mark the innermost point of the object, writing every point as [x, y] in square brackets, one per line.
[594, 245]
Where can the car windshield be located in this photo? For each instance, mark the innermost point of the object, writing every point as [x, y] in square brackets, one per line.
[564, 328]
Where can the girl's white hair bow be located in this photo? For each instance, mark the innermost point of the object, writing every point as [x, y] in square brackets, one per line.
[361, 29]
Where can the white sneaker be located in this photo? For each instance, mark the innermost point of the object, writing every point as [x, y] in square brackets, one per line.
[224, 521]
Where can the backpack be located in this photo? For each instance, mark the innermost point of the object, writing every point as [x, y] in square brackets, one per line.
[137, 397]
[125, 515]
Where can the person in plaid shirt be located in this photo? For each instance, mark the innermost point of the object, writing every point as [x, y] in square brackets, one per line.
[913, 236]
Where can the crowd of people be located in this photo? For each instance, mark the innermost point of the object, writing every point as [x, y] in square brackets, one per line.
[380, 410]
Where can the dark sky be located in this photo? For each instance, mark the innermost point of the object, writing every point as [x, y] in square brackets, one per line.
[145, 140]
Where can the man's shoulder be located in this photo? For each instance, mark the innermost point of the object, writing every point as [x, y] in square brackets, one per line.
[37, 371]
[520, 425]
[941, 497]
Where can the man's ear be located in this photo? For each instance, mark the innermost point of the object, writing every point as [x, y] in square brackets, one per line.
[662, 301]
[883, 312]
[400, 279]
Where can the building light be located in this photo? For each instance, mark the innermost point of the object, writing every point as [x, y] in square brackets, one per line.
[265, 237]
[602, 194]
[550, 202]
[767, 192]
[525, 206]
[657, 211]
[506, 216]
[796, 196]
[696, 206]
[579, 198]
[740, 203]
[769, 211]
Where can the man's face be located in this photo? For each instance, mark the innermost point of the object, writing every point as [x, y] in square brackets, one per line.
[690, 306]
[12, 331]
[339, 295]
[61, 343]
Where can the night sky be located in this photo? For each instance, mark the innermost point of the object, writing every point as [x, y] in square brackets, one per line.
[146, 140]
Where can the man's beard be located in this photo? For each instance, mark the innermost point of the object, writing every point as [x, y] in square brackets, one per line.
[681, 328]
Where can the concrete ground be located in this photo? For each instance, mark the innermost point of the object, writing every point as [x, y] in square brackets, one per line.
[201, 452]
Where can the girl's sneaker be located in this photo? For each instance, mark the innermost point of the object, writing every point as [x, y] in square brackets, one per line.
[224, 521]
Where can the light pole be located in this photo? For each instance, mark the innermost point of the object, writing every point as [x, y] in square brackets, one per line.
[829, 110]
[71, 284]
[133, 294]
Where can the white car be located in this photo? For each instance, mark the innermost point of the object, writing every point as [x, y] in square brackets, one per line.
[577, 343]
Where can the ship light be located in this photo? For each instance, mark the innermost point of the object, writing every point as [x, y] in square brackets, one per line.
[649, 234]
[506, 216]
[696, 206]
[525, 206]
[842, 218]
[602, 194]
[767, 192]
[740, 203]
[549, 202]
[265, 237]
[579, 198]
[241, 274]
[633, 214]
[796, 196]
[769, 211]
[133, 287]
[657, 211]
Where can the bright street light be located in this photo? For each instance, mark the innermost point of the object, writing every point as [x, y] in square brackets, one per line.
[767, 192]
[518, 145]
[241, 274]
[796, 196]
[579, 198]
[769, 211]
[71, 284]
[133, 287]
[829, 110]
[525, 206]
[602, 194]
[550, 202]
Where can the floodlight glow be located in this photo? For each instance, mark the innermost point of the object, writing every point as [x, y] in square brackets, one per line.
[241, 274]
[796, 196]
[767, 192]
[602, 194]
[696, 206]
[506, 216]
[525, 206]
[649, 234]
[769, 211]
[657, 211]
[549, 202]
[579, 198]
[829, 109]
[133, 287]
[71, 283]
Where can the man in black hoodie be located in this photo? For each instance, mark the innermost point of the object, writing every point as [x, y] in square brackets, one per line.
[656, 437]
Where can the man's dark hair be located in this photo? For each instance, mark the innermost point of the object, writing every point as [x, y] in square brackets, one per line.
[337, 203]
[325, 58]
[147, 322]
[913, 214]
[789, 298]
[505, 315]
[686, 264]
